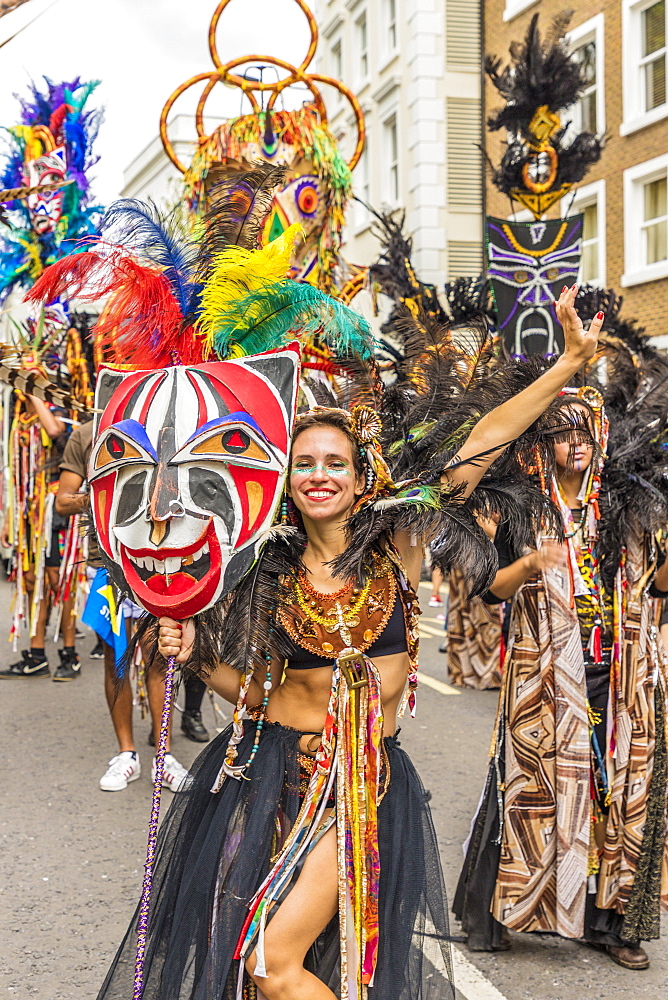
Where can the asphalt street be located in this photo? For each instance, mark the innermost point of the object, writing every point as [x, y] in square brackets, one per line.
[71, 855]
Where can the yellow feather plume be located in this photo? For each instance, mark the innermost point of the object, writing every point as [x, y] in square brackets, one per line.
[237, 272]
[33, 147]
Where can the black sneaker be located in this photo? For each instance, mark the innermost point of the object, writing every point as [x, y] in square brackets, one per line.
[193, 727]
[97, 652]
[29, 666]
[69, 667]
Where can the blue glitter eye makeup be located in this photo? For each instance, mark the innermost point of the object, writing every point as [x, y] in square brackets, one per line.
[329, 470]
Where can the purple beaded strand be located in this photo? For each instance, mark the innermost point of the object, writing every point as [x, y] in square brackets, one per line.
[142, 923]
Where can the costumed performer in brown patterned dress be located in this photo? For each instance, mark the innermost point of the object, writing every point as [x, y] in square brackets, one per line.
[570, 837]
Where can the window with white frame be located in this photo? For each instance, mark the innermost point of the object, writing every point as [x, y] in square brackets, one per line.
[391, 158]
[389, 11]
[586, 42]
[589, 269]
[646, 221]
[644, 64]
[586, 106]
[362, 179]
[589, 200]
[653, 55]
[654, 221]
[514, 7]
[336, 59]
[362, 39]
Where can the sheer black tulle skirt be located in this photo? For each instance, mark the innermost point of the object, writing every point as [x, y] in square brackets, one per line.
[215, 850]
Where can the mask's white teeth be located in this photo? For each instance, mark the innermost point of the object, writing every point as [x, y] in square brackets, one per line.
[172, 565]
[142, 563]
[205, 549]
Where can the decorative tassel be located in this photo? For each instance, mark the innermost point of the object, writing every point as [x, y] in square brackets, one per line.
[229, 769]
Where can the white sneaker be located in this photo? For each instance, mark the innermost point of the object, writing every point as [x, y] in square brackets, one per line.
[174, 775]
[123, 769]
[435, 602]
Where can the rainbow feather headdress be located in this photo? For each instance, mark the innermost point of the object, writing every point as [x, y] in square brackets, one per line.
[55, 125]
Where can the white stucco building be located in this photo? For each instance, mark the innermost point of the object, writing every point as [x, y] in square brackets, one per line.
[151, 174]
[415, 66]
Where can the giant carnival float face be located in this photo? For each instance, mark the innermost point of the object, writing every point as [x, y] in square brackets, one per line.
[312, 194]
[186, 470]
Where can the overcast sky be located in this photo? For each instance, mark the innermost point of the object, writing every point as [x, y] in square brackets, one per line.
[140, 50]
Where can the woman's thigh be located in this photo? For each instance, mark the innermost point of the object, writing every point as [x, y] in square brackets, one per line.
[306, 910]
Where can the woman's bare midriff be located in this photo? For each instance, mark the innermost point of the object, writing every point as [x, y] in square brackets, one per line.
[301, 700]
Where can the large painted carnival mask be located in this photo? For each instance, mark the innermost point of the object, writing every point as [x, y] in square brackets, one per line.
[528, 265]
[46, 207]
[186, 470]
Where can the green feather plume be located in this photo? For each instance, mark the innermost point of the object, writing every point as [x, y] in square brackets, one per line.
[284, 311]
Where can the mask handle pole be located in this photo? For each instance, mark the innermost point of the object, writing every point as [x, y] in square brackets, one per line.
[144, 905]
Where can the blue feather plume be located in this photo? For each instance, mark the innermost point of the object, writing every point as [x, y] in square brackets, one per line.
[141, 228]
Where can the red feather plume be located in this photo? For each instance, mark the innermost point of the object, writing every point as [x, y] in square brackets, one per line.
[141, 324]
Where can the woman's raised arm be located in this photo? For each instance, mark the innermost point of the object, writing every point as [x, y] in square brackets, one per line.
[500, 426]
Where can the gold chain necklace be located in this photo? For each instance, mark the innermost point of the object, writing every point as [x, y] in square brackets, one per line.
[343, 619]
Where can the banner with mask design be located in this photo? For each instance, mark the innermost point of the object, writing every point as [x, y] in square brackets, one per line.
[528, 265]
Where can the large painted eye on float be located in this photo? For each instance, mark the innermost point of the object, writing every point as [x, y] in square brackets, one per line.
[122, 444]
[307, 197]
[235, 439]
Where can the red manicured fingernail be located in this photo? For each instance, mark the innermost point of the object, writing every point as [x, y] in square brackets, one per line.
[564, 289]
[179, 626]
[600, 315]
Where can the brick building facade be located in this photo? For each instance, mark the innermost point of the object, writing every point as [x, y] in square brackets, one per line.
[622, 44]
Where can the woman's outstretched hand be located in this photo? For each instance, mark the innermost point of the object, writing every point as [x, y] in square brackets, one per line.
[176, 638]
[579, 344]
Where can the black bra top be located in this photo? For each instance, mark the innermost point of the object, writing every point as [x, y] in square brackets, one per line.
[391, 640]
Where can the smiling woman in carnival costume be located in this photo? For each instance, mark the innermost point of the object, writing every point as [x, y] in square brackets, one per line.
[570, 836]
[301, 861]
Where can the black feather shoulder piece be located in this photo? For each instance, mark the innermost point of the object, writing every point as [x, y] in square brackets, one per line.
[469, 298]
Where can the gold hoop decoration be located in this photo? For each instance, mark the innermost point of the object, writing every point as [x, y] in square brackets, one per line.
[222, 73]
[533, 163]
[312, 24]
[353, 286]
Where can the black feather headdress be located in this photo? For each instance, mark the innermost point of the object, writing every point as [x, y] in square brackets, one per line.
[543, 158]
[540, 73]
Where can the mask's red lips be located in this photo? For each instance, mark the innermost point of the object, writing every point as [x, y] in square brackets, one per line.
[162, 554]
[180, 594]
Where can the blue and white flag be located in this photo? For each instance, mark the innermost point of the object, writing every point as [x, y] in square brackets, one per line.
[105, 617]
